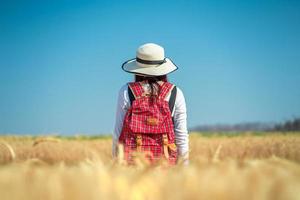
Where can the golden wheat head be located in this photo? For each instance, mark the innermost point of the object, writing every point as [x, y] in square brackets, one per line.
[47, 139]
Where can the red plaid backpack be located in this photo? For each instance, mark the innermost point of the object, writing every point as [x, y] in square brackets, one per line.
[148, 125]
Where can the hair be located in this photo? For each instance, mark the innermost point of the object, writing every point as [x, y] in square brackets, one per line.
[152, 80]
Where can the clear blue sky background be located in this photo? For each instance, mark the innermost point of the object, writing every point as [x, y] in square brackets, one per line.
[60, 60]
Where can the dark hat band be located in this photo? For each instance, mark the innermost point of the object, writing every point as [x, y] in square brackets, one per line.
[150, 62]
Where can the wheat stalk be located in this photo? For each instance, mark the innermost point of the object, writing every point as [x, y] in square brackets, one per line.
[121, 154]
[217, 154]
[10, 149]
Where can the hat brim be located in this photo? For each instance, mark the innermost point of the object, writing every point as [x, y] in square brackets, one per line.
[165, 68]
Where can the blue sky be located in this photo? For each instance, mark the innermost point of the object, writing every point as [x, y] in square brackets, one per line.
[60, 60]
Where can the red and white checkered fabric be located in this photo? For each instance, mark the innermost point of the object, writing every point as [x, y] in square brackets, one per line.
[136, 122]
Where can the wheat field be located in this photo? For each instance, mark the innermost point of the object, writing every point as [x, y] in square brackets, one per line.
[235, 166]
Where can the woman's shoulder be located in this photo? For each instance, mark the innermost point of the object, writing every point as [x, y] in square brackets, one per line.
[123, 93]
[179, 95]
[124, 87]
[123, 90]
[179, 91]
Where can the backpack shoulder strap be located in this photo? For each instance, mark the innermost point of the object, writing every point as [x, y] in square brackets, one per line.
[131, 96]
[135, 90]
[166, 89]
[172, 99]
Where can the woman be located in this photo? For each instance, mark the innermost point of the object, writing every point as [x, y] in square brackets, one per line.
[145, 122]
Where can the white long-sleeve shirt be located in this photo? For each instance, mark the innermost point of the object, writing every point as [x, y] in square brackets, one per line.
[179, 115]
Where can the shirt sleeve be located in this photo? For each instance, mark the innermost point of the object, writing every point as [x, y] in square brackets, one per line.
[122, 106]
[180, 125]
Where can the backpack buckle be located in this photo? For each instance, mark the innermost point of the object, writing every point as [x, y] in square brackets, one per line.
[165, 144]
[165, 139]
[139, 142]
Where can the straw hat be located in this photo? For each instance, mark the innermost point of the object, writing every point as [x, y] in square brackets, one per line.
[150, 61]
